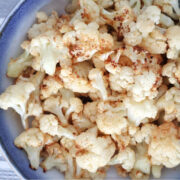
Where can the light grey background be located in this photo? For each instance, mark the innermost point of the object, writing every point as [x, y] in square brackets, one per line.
[6, 173]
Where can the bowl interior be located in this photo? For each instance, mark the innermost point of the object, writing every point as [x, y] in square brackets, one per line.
[12, 36]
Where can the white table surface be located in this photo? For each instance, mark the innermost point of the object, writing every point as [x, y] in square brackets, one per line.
[6, 172]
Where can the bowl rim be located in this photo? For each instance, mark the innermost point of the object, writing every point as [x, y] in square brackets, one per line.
[3, 150]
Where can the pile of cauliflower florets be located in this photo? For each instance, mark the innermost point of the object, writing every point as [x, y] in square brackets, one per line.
[100, 87]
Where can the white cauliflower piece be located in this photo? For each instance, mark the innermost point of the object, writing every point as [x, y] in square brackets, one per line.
[172, 71]
[34, 107]
[86, 40]
[126, 158]
[166, 21]
[173, 37]
[48, 50]
[41, 16]
[140, 112]
[90, 111]
[80, 122]
[55, 105]
[50, 86]
[164, 147]
[142, 163]
[50, 124]
[55, 158]
[33, 141]
[169, 7]
[75, 106]
[156, 171]
[147, 20]
[16, 97]
[93, 152]
[18, 65]
[72, 81]
[44, 24]
[170, 103]
[146, 85]
[145, 133]
[155, 43]
[98, 82]
[122, 79]
[112, 122]
[90, 9]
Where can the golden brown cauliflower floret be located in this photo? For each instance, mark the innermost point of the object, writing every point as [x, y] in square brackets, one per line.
[86, 40]
[33, 141]
[93, 151]
[164, 147]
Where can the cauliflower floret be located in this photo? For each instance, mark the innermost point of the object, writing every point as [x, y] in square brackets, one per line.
[18, 65]
[33, 141]
[82, 69]
[164, 147]
[133, 37]
[90, 9]
[41, 17]
[172, 71]
[169, 7]
[93, 152]
[48, 50]
[50, 124]
[105, 3]
[55, 158]
[86, 40]
[75, 105]
[146, 85]
[111, 122]
[140, 112]
[34, 107]
[170, 103]
[50, 86]
[173, 36]
[16, 97]
[98, 82]
[156, 171]
[44, 24]
[147, 20]
[155, 43]
[90, 111]
[126, 158]
[80, 122]
[145, 133]
[56, 104]
[166, 21]
[142, 163]
[72, 81]
[122, 79]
